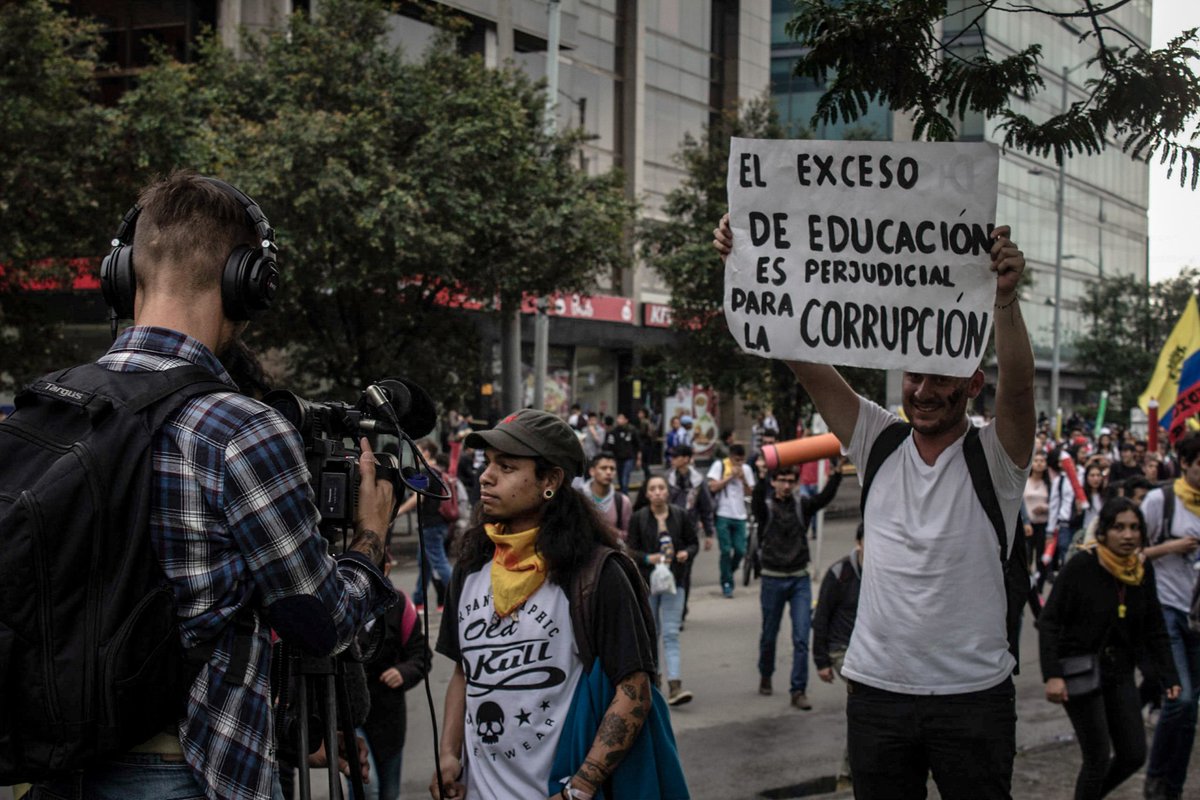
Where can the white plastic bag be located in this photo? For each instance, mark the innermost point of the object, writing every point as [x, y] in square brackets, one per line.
[662, 580]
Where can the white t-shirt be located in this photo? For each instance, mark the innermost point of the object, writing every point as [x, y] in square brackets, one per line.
[518, 693]
[1174, 572]
[731, 501]
[931, 613]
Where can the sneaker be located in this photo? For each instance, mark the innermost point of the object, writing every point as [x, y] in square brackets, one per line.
[764, 686]
[441, 608]
[727, 590]
[420, 608]
[676, 694]
[800, 701]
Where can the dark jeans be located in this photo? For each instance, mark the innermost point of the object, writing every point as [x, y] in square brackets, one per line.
[967, 741]
[796, 593]
[624, 473]
[1176, 731]
[1108, 727]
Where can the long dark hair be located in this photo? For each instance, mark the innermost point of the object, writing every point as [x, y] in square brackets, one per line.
[1108, 517]
[571, 527]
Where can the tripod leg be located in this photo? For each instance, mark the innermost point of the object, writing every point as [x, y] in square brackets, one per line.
[356, 782]
[331, 746]
[302, 741]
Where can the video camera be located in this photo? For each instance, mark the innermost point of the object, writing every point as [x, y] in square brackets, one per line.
[331, 431]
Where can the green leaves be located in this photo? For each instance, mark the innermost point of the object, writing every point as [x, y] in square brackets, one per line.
[930, 59]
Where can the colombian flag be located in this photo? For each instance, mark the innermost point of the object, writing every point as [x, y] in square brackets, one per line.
[1176, 381]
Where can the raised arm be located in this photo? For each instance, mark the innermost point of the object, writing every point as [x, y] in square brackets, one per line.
[1015, 415]
[835, 400]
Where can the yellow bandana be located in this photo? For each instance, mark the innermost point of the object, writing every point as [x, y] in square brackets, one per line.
[1128, 570]
[1188, 495]
[518, 570]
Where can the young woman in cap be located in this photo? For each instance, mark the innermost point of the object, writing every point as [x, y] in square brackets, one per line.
[540, 587]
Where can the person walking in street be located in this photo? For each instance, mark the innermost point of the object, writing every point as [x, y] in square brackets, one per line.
[729, 481]
[782, 514]
[833, 623]
[688, 490]
[1064, 517]
[1102, 614]
[551, 639]
[1173, 522]
[661, 533]
[930, 663]
[614, 506]
[434, 532]
[1036, 506]
[627, 447]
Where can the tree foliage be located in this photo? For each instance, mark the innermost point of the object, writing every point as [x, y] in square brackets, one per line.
[679, 248]
[1129, 323]
[895, 52]
[397, 184]
[55, 185]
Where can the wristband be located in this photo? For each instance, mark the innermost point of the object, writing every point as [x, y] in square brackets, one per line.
[569, 792]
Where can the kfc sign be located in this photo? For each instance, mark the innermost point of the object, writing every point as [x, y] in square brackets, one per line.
[656, 315]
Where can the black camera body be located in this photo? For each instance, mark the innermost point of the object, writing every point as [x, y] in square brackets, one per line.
[331, 430]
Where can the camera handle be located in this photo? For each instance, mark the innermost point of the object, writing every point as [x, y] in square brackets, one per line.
[329, 681]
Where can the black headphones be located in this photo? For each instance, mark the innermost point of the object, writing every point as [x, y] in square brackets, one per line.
[248, 282]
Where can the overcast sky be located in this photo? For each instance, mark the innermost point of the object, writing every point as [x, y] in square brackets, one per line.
[1174, 211]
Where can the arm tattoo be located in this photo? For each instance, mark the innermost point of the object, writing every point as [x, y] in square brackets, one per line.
[370, 544]
[620, 727]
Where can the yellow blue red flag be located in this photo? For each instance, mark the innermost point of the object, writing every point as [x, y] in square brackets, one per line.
[1176, 381]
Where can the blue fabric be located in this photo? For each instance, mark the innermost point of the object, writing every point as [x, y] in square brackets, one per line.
[1176, 730]
[776, 593]
[434, 539]
[134, 776]
[624, 473]
[731, 540]
[651, 768]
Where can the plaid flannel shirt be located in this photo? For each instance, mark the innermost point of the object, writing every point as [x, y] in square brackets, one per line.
[234, 524]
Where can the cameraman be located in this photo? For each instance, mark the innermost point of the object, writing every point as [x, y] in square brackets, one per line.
[232, 519]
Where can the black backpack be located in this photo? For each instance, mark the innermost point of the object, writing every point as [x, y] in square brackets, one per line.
[90, 657]
[1018, 584]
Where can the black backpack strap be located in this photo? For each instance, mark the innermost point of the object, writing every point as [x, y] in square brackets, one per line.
[885, 444]
[582, 597]
[981, 479]
[1168, 513]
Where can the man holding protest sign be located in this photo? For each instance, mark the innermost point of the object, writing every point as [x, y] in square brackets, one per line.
[929, 667]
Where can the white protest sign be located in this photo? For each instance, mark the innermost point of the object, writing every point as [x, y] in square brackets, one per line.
[867, 254]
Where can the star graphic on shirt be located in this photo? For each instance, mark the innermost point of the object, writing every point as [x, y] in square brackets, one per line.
[523, 717]
[545, 704]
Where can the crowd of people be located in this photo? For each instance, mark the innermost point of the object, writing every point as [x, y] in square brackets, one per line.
[557, 588]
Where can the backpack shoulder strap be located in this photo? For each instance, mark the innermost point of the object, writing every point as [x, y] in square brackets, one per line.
[582, 598]
[981, 480]
[888, 441]
[1168, 513]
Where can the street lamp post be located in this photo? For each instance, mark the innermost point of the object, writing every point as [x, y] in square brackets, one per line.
[1055, 364]
[541, 324]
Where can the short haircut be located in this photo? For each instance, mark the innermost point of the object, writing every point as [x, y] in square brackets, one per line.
[603, 455]
[786, 469]
[429, 446]
[1130, 485]
[442, 460]
[185, 233]
[737, 450]
[1128, 446]
[1188, 448]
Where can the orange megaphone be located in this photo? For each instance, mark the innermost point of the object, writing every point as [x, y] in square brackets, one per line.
[798, 451]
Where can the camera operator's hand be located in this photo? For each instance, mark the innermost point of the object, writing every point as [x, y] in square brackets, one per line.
[375, 500]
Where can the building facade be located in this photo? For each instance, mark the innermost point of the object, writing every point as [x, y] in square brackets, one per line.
[635, 75]
[1105, 226]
